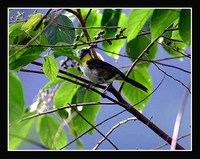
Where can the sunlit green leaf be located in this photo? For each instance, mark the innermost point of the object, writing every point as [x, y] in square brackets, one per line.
[32, 22]
[78, 125]
[136, 22]
[161, 20]
[50, 67]
[51, 132]
[16, 98]
[94, 19]
[18, 133]
[134, 94]
[63, 96]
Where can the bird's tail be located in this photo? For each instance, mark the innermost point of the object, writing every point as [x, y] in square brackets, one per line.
[135, 83]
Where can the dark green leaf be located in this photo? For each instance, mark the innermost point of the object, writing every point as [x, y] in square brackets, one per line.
[63, 31]
[110, 18]
[174, 48]
[136, 22]
[135, 95]
[116, 45]
[50, 67]
[16, 98]
[185, 25]
[51, 132]
[161, 20]
[136, 46]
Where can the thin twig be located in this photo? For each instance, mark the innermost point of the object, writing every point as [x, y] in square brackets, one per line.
[95, 128]
[181, 137]
[172, 77]
[65, 107]
[112, 129]
[87, 15]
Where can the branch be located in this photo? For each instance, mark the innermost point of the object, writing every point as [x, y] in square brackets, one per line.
[120, 101]
[112, 129]
[95, 128]
[65, 107]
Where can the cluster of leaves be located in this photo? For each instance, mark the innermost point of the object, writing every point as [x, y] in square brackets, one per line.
[57, 30]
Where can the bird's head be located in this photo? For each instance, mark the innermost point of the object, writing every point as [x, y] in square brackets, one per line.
[85, 55]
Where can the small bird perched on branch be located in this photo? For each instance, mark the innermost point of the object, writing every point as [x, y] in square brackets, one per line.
[100, 72]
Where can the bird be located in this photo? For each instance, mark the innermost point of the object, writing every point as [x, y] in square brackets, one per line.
[99, 71]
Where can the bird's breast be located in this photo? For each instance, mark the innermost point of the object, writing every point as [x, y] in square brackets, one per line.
[92, 74]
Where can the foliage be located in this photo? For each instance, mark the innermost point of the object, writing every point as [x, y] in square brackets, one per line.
[58, 36]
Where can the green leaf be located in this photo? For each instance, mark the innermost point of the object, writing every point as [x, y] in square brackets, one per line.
[161, 20]
[64, 32]
[63, 96]
[42, 39]
[136, 22]
[32, 22]
[136, 46]
[78, 125]
[50, 67]
[184, 25]
[94, 19]
[110, 18]
[23, 61]
[16, 34]
[15, 26]
[16, 98]
[174, 48]
[18, 133]
[116, 45]
[51, 132]
[65, 51]
[135, 95]
[59, 80]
